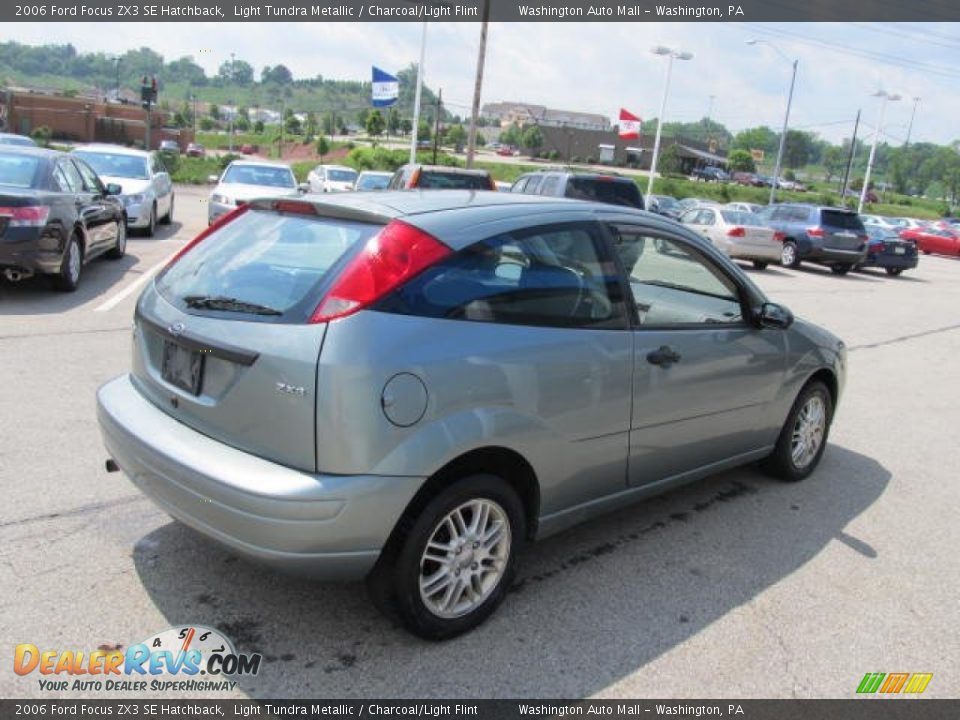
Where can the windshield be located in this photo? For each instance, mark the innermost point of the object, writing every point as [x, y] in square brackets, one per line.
[373, 182]
[342, 175]
[665, 201]
[116, 165]
[259, 175]
[262, 263]
[19, 170]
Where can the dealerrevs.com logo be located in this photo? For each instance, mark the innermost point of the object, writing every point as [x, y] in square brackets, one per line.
[191, 658]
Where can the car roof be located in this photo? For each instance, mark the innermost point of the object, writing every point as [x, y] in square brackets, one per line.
[337, 167]
[259, 163]
[446, 168]
[31, 150]
[114, 149]
[386, 173]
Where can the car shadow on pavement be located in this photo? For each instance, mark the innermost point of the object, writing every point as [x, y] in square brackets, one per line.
[37, 296]
[824, 271]
[590, 606]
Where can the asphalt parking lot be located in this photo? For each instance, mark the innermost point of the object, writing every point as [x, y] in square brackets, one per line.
[737, 586]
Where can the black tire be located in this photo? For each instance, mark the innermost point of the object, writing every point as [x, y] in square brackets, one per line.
[394, 584]
[781, 463]
[841, 269]
[894, 271]
[67, 278]
[760, 264]
[151, 228]
[120, 249]
[789, 257]
[168, 218]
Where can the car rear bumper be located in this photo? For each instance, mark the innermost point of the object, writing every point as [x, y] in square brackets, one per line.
[834, 256]
[323, 526]
[884, 260]
[26, 249]
[755, 252]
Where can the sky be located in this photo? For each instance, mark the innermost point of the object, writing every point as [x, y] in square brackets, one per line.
[601, 67]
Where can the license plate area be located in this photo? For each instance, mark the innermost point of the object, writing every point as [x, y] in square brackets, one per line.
[182, 367]
[900, 250]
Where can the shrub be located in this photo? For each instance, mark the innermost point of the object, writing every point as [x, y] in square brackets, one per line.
[228, 158]
[554, 155]
[41, 135]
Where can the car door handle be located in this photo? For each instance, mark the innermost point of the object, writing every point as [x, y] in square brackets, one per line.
[664, 356]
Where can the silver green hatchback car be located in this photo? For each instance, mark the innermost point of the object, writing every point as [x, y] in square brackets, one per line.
[410, 386]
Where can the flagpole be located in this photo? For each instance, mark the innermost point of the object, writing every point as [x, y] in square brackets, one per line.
[416, 102]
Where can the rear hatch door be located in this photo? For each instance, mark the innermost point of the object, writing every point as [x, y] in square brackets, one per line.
[223, 339]
[843, 230]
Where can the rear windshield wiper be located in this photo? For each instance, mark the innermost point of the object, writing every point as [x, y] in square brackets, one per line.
[228, 304]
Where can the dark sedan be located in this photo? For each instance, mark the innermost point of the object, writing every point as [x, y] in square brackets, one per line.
[55, 215]
[887, 250]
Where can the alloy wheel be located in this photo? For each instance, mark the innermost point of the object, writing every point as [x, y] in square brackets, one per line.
[808, 432]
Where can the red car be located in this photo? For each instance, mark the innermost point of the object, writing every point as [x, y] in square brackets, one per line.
[248, 149]
[506, 150]
[934, 240]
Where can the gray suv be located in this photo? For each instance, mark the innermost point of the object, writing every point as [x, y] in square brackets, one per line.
[610, 189]
[830, 236]
[409, 387]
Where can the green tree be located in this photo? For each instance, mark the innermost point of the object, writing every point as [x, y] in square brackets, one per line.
[362, 117]
[310, 126]
[214, 111]
[393, 121]
[798, 149]
[406, 126]
[512, 135]
[236, 73]
[323, 146]
[741, 161]
[375, 124]
[669, 163]
[258, 127]
[834, 161]
[206, 123]
[758, 138]
[456, 136]
[292, 124]
[532, 139]
[424, 131]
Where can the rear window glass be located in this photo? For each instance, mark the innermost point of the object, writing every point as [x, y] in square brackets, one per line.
[840, 219]
[373, 182]
[19, 170]
[738, 217]
[612, 192]
[273, 262]
[439, 180]
[259, 175]
[341, 175]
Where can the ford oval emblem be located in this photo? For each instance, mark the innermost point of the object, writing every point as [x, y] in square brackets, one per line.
[177, 329]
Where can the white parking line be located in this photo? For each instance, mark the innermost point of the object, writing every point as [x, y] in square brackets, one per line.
[134, 286]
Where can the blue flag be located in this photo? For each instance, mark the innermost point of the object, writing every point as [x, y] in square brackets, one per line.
[386, 88]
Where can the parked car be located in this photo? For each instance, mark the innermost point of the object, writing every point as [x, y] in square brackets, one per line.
[12, 139]
[688, 203]
[877, 221]
[248, 149]
[744, 207]
[196, 150]
[440, 177]
[663, 205]
[610, 189]
[834, 237]
[905, 223]
[147, 194]
[55, 216]
[934, 240]
[503, 186]
[411, 387]
[507, 151]
[372, 180]
[746, 178]
[710, 174]
[737, 234]
[244, 180]
[170, 146]
[331, 178]
[887, 250]
[793, 185]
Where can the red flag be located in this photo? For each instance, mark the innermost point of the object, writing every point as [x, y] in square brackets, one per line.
[629, 125]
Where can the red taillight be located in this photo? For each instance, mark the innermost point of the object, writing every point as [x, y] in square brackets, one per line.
[493, 184]
[736, 232]
[26, 216]
[390, 258]
[879, 248]
[779, 236]
[815, 232]
[217, 224]
[414, 179]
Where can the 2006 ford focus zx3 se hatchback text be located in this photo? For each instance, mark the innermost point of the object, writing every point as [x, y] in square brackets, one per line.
[408, 387]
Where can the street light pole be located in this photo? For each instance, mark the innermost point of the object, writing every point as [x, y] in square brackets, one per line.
[671, 54]
[884, 98]
[478, 84]
[416, 101]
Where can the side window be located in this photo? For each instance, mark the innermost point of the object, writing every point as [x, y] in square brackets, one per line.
[550, 185]
[551, 276]
[157, 165]
[533, 184]
[74, 183]
[396, 182]
[520, 184]
[707, 217]
[690, 216]
[673, 284]
[60, 179]
[90, 180]
[781, 213]
[799, 214]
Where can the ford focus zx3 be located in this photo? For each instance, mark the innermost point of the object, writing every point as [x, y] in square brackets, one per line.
[409, 387]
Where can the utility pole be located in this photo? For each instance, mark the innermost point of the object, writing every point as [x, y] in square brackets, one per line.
[234, 111]
[885, 97]
[481, 55]
[117, 86]
[283, 112]
[913, 113]
[436, 124]
[853, 149]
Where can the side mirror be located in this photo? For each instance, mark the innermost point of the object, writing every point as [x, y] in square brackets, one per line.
[772, 315]
[303, 187]
[113, 189]
[213, 179]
